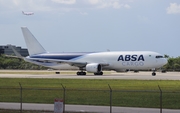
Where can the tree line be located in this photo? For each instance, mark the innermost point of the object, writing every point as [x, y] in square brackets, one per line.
[173, 64]
[17, 63]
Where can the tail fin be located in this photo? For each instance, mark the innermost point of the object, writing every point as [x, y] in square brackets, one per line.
[34, 47]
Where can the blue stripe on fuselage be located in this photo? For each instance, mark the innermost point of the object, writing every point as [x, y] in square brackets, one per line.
[59, 56]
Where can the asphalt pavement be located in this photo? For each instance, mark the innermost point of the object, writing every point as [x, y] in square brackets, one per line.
[84, 108]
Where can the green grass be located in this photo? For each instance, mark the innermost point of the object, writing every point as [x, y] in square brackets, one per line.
[130, 93]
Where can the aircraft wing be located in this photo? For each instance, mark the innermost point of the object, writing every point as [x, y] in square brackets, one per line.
[70, 62]
[10, 56]
[18, 55]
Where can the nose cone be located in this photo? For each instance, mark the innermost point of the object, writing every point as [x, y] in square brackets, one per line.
[165, 61]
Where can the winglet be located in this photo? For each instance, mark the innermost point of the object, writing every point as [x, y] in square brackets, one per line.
[34, 47]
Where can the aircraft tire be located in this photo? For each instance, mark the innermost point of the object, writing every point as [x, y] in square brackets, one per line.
[57, 72]
[153, 74]
[77, 73]
[136, 71]
[81, 73]
[100, 73]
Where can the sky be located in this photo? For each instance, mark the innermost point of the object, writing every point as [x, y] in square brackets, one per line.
[94, 25]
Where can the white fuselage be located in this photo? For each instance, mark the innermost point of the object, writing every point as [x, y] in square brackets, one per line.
[136, 60]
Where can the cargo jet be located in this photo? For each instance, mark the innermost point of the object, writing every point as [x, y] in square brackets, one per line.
[94, 62]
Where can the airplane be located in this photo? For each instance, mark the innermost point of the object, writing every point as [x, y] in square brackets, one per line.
[93, 62]
[27, 13]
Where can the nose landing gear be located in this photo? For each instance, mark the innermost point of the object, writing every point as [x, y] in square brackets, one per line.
[154, 72]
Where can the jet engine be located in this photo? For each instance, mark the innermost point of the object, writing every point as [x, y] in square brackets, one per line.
[93, 68]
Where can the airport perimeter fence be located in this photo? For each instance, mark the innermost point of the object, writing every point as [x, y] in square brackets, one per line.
[104, 97]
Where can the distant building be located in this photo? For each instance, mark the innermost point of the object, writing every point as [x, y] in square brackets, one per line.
[8, 51]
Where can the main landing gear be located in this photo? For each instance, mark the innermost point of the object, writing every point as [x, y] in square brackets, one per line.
[154, 72]
[81, 73]
[99, 73]
[84, 73]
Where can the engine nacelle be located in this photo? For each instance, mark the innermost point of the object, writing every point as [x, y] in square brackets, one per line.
[93, 68]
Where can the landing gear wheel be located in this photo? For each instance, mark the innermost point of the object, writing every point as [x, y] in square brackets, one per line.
[99, 73]
[84, 73]
[153, 74]
[57, 72]
[136, 71]
[81, 73]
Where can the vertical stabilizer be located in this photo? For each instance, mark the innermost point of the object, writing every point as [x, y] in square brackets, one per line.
[34, 47]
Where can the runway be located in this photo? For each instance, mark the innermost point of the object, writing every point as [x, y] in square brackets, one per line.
[109, 75]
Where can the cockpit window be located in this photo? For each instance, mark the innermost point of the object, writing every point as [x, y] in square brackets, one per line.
[159, 56]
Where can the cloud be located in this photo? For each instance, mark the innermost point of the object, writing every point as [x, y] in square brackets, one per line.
[83, 13]
[16, 2]
[93, 1]
[65, 1]
[116, 4]
[28, 5]
[60, 5]
[174, 8]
